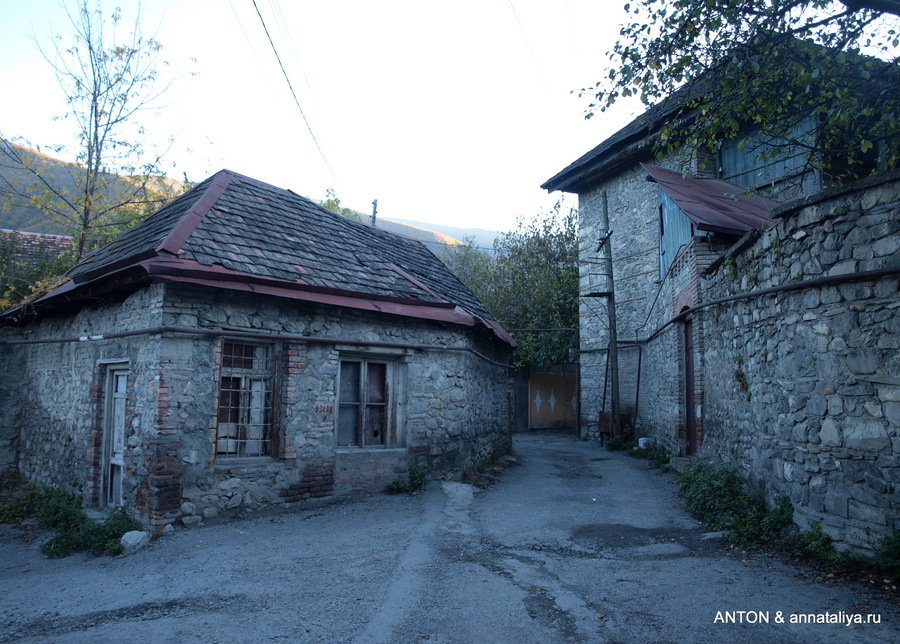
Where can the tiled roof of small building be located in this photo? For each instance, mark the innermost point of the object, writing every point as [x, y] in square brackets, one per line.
[236, 232]
[33, 248]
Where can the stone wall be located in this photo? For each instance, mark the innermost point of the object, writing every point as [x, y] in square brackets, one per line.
[806, 393]
[451, 408]
[632, 204]
[654, 397]
[49, 404]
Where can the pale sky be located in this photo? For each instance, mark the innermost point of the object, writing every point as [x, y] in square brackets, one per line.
[450, 112]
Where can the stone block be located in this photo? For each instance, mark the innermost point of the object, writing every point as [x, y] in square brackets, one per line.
[134, 541]
[873, 491]
[892, 413]
[830, 433]
[863, 512]
[864, 361]
[886, 246]
[837, 504]
[865, 434]
[229, 485]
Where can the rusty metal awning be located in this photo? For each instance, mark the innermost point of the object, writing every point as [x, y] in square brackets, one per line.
[715, 205]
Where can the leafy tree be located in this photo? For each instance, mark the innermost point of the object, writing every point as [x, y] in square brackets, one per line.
[333, 204]
[106, 79]
[529, 284]
[472, 266]
[736, 68]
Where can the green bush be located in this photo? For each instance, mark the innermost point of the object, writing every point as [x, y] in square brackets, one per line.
[413, 482]
[887, 557]
[18, 498]
[75, 531]
[720, 498]
[658, 455]
[625, 440]
[61, 512]
[817, 544]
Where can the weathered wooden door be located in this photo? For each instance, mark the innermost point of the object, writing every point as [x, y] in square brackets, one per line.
[114, 436]
[689, 403]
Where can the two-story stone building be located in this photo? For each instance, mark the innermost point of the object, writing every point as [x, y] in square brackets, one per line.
[757, 318]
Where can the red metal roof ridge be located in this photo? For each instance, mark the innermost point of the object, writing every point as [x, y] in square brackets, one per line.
[414, 281]
[705, 209]
[189, 221]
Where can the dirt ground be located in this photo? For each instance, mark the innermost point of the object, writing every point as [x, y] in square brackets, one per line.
[573, 544]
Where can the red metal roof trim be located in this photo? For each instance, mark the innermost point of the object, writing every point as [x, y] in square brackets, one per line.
[715, 205]
[455, 315]
[192, 270]
[189, 220]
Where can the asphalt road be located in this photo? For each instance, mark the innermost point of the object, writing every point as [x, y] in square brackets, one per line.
[573, 544]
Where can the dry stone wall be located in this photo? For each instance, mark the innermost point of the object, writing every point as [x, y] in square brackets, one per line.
[807, 394]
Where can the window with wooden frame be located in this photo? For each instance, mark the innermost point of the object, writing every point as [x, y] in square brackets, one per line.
[246, 388]
[363, 403]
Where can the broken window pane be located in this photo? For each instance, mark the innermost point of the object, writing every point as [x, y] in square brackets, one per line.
[245, 399]
[362, 403]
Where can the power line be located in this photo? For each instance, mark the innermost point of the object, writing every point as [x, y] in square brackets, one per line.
[294, 94]
[286, 36]
[527, 43]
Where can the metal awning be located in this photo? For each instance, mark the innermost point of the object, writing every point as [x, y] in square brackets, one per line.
[715, 205]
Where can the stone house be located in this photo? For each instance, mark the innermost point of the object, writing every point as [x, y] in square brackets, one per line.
[757, 317]
[244, 349]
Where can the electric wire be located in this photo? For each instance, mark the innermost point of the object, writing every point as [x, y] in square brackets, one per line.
[285, 32]
[527, 43]
[296, 100]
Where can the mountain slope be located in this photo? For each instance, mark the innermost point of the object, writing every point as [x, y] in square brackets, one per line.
[25, 217]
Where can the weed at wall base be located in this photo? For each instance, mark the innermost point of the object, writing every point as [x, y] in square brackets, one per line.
[413, 482]
[720, 498]
[73, 530]
[887, 557]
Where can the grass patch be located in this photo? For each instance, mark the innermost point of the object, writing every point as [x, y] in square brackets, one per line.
[658, 456]
[816, 544]
[61, 512]
[723, 499]
[887, 557]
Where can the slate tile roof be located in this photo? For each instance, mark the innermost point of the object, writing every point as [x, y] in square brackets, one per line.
[232, 230]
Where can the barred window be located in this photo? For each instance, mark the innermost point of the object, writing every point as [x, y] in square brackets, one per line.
[363, 404]
[245, 399]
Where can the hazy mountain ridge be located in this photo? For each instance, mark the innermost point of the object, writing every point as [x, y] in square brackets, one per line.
[24, 217]
[18, 214]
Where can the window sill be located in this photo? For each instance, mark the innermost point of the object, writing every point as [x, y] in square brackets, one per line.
[368, 448]
[224, 463]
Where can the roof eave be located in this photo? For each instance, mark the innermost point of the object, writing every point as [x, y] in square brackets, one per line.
[171, 271]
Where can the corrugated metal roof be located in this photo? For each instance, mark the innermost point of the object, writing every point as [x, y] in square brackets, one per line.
[715, 205]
